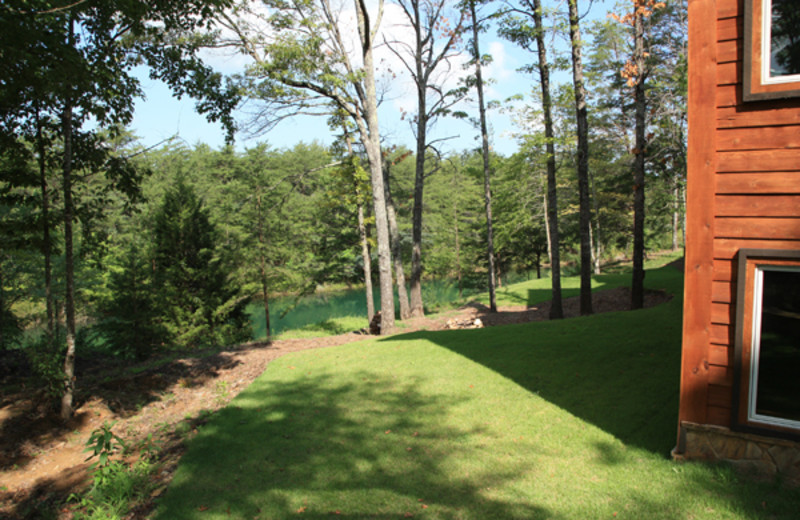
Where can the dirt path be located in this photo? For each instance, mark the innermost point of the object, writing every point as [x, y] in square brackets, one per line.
[42, 460]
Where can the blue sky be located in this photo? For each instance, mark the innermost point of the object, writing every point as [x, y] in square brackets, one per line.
[160, 116]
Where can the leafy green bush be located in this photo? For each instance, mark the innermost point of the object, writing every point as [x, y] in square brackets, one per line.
[130, 325]
[46, 359]
[116, 486]
[10, 329]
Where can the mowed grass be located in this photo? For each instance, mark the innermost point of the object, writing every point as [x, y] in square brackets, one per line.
[564, 420]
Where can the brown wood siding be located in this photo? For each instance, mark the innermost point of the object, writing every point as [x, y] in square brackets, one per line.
[743, 192]
[701, 162]
[765, 183]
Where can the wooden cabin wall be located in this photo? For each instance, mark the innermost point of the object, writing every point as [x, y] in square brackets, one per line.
[743, 192]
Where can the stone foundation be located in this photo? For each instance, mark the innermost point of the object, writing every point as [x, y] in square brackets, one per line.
[754, 454]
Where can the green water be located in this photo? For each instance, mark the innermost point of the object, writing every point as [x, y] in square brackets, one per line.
[289, 313]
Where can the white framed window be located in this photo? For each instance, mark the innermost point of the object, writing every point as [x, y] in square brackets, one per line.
[772, 50]
[767, 349]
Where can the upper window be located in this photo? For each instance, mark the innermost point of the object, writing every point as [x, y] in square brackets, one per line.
[772, 49]
[768, 340]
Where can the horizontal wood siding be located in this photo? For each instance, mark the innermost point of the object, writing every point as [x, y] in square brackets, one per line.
[751, 199]
[757, 205]
[758, 183]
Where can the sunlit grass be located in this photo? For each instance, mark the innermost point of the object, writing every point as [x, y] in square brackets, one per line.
[330, 327]
[567, 419]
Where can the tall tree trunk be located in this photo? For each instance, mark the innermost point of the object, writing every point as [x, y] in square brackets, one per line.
[487, 190]
[598, 246]
[637, 286]
[262, 243]
[394, 238]
[551, 206]
[69, 267]
[2, 305]
[362, 233]
[370, 136]
[417, 308]
[676, 208]
[583, 159]
[456, 233]
[46, 242]
[416, 232]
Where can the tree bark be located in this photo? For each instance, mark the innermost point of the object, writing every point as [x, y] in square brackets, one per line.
[637, 286]
[394, 238]
[263, 262]
[69, 265]
[583, 159]
[551, 202]
[676, 207]
[362, 233]
[456, 234]
[370, 136]
[417, 308]
[598, 246]
[487, 191]
[46, 241]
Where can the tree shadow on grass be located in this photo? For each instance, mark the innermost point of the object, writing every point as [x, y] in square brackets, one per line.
[295, 447]
[619, 371]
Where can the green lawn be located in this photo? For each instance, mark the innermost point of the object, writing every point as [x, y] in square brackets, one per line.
[571, 419]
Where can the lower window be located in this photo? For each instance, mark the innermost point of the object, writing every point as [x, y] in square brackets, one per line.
[768, 340]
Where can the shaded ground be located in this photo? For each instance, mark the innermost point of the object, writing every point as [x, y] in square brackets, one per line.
[42, 460]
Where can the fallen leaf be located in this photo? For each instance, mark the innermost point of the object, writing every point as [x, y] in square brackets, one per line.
[424, 506]
[291, 368]
[202, 508]
[408, 514]
[302, 509]
[387, 432]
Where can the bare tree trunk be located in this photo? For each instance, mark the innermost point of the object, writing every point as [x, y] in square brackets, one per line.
[362, 233]
[46, 241]
[69, 361]
[419, 173]
[637, 286]
[370, 137]
[598, 246]
[583, 159]
[417, 308]
[546, 215]
[487, 191]
[263, 263]
[456, 232]
[676, 207]
[551, 201]
[397, 257]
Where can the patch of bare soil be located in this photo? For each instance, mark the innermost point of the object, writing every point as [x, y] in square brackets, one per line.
[42, 459]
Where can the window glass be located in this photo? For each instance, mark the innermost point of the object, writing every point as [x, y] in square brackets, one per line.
[784, 38]
[777, 343]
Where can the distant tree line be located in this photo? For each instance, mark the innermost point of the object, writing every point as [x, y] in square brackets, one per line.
[131, 251]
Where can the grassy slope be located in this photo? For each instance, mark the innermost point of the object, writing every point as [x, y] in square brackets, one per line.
[569, 419]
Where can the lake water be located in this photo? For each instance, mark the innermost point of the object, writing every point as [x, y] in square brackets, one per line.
[327, 305]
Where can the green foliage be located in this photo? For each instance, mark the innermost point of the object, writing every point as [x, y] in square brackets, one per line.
[198, 304]
[10, 328]
[103, 444]
[116, 485]
[130, 325]
[46, 360]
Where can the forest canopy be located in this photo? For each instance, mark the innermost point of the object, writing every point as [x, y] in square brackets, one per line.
[111, 248]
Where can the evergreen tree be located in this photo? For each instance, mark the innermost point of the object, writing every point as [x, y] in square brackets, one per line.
[197, 304]
[130, 324]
